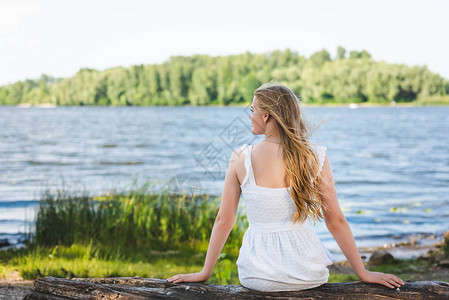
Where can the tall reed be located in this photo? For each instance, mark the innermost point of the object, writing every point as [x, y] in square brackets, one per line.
[123, 223]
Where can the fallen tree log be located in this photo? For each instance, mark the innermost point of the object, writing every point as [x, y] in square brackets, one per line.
[153, 288]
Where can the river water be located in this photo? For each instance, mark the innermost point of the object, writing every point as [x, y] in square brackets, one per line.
[390, 164]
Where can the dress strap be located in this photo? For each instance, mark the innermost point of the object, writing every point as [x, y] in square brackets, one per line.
[321, 153]
[246, 150]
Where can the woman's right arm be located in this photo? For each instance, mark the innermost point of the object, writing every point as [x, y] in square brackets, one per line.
[338, 226]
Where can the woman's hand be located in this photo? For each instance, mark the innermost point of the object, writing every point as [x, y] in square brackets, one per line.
[191, 277]
[388, 280]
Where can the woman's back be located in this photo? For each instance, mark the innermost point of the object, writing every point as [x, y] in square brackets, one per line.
[266, 199]
[277, 254]
[268, 165]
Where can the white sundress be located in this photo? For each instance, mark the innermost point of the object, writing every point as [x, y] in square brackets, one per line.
[277, 254]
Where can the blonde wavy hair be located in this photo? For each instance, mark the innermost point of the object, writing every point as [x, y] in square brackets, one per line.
[301, 164]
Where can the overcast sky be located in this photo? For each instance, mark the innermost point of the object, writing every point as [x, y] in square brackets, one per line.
[60, 37]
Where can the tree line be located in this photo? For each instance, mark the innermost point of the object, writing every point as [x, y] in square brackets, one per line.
[202, 80]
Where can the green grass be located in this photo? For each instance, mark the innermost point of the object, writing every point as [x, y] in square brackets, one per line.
[433, 101]
[335, 278]
[84, 261]
[410, 269]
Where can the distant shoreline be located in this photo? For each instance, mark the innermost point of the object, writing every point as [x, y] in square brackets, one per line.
[338, 105]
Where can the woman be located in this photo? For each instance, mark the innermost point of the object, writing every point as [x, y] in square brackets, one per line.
[284, 180]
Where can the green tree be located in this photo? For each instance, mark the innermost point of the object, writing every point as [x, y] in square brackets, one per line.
[247, 87]
[341, 52]
[318, 59]
[203, 80]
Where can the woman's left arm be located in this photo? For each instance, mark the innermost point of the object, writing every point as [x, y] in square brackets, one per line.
[224, 223]
[339, 228]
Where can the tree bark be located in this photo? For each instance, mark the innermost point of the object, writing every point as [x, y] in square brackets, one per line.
[125, 288]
